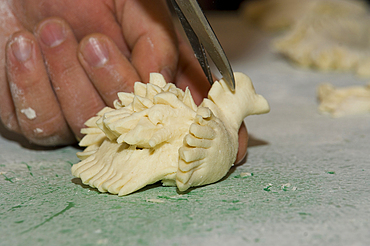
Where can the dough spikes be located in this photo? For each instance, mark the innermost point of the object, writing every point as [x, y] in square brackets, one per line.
[158, 133]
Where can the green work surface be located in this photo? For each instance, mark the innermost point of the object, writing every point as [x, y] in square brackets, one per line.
[305, 180]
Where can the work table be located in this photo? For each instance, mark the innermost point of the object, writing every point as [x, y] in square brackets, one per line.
[305, 180]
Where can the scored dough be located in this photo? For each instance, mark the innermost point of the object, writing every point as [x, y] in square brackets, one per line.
[340, 102]
[159, 133]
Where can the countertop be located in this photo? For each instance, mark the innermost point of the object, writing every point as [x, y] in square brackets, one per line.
[310, 182]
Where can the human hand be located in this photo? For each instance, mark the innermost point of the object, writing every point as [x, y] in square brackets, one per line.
[137, 37]
[151, 46]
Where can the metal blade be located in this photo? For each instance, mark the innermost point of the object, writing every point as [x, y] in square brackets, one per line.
[207, 38]
[198, 48]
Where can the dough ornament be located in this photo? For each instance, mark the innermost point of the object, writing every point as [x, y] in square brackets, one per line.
[329, 43]
[158, 133]
[322, 34]
[340, 102]
[281, 14]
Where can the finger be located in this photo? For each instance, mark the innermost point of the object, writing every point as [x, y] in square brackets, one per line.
[9, 25]
[37, 109]
[106, 67]
[76, 94]
[84, 16]
[148, 30]
[243, 144]
[7, 111]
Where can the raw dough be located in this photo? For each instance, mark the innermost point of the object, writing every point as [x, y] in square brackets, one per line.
[159, 133]
[324, 34]
[29, 113]
[329, 43]
[340, 102]
[281, 14]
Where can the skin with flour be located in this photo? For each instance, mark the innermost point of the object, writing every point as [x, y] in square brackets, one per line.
[158, 133]
[39, 43]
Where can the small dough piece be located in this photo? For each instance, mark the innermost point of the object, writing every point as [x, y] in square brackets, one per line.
[322, 34]
[339, 102]
[329, 43]
[281, 14]
[159, 133]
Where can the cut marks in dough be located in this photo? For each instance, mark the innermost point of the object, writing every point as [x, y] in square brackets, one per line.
[340, 102]
[323, 34]
[158, 133]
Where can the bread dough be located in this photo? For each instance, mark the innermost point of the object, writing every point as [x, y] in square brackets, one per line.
[281, 14]
[340, 102]
[323, 34]
[329, 43]
[159, 133]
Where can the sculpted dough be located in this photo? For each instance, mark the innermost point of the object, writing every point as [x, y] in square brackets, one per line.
[329, 43]
[159, 133]
[323, 34]
[282, 14]
[340, 102]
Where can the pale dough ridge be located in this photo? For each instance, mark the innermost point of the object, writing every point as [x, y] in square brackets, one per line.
[329, 43]
[339, 102]
[159, 133]
[322, 34]
[281, 14]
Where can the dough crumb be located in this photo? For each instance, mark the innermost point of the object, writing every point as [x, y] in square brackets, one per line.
[38, 130]
[245, 174]
[153, 200]
[285, 187]
[29, 112]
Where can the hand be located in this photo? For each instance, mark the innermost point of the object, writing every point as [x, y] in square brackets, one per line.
[49, 105]
[141, 30]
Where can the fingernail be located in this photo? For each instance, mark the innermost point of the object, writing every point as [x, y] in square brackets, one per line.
[95, 53]
[22, 48]
[52, 33]
[167, 74]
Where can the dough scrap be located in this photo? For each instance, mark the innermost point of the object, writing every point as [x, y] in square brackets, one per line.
[281, 14]
[323, 34]
[339, 102]
[158, 133]
[329, 43]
